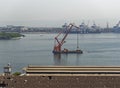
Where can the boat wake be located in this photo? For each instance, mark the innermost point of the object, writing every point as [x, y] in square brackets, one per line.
[103, 51]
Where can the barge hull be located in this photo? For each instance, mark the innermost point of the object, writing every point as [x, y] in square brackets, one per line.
[68, 52]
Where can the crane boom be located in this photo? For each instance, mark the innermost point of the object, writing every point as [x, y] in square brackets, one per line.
[57, 47]
[68, 30]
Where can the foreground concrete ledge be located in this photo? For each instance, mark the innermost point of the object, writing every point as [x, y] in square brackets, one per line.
[70, 70]
[73, 75]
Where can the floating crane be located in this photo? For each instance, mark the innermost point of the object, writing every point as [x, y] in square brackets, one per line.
[58, 43]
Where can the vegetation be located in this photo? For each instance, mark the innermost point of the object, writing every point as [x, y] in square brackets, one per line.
[7, 36]
[17, 73]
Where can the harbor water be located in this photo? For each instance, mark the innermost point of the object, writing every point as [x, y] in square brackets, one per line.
[36, 49]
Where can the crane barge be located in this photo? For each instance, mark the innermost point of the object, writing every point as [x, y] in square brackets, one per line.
[58, 43]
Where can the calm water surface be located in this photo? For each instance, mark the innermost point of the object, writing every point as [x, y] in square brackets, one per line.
[36, 49]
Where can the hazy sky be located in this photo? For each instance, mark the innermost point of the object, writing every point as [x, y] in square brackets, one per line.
[57, 12]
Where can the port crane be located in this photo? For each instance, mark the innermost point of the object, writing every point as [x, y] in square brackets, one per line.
[58, 43]
[117, 25]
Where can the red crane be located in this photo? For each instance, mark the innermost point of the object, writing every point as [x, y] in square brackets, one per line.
[59, 43]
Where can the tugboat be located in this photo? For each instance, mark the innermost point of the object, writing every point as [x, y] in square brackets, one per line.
[58, 43]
